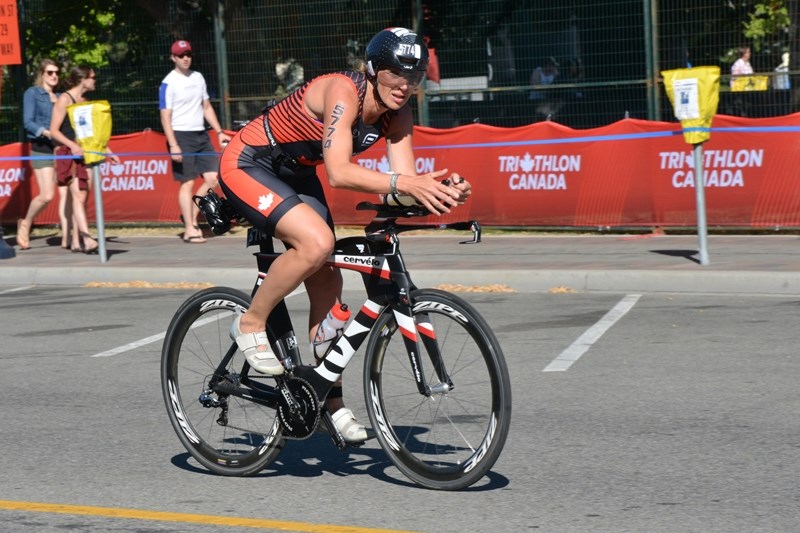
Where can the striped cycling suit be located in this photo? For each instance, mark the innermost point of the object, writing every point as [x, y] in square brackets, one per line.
[264, 181]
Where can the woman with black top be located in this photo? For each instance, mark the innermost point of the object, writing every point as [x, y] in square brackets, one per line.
[73, 172]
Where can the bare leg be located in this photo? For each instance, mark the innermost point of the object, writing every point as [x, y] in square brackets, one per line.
[311, 243]
[64, 214]
[80, 225]
[46, 179]
[305, 234]
[188, 210]
[324, 289]
[210, 181]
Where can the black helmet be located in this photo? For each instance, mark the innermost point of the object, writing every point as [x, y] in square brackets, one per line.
[398, 48]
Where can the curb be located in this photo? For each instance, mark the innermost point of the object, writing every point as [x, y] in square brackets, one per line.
[645, 281]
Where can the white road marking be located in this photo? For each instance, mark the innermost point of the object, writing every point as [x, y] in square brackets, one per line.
[591, 335]
[16, 289]
[155, 338]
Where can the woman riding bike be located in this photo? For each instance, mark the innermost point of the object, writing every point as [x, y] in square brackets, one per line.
[267, 172]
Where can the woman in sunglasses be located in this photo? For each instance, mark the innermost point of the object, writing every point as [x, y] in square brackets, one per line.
[37, 109]
[268, 173]
[73, 172]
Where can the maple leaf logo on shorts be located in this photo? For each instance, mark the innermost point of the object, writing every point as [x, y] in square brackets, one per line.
[264, 202]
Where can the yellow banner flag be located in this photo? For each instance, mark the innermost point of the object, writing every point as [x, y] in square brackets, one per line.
[694, 93]
[92, 124]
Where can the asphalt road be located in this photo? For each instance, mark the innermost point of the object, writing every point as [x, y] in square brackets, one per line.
[674, 413]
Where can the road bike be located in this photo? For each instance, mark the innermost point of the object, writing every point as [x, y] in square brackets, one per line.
[435, 380]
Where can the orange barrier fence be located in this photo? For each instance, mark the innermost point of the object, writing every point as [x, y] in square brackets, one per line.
[632, 173]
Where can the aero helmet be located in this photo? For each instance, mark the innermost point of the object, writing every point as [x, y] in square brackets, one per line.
[398, 48]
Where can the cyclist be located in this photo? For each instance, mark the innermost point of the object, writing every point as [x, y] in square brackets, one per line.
[267, 172]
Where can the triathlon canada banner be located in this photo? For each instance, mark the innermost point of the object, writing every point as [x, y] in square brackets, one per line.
[633, 173]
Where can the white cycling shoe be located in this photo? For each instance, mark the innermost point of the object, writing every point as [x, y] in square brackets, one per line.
[262, 361]
[346, 423]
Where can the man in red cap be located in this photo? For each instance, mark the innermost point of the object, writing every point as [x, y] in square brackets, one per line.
[184, 104]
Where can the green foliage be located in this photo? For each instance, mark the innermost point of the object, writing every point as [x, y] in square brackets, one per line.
[81, 43]
[767, 22]
[72, 33]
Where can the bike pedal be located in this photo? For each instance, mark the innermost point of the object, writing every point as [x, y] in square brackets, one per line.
[370, 436]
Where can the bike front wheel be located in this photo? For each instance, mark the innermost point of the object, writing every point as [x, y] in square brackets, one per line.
[451, 438]
[206, 388]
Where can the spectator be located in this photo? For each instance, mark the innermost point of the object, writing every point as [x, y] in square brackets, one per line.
[37, 110]
[73, 172]
[546, 102]
[544, 75]
[184, 103]
[781, 83]
[573, 74]
[502, 65]
[781, 79]
[742, 83]
[741, 67]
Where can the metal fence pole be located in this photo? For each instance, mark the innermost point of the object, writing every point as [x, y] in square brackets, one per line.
[651, 58]
[422, 99]
[222, 65]
[98, 206]
[702, 229]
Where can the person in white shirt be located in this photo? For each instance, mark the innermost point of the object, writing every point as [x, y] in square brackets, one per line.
[185, 107]
[742, 66]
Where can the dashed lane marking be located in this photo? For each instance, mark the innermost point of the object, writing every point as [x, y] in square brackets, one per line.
[159, 336]
[582, 344]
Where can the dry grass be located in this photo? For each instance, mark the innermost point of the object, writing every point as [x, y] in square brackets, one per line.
[495, 287]
[161, 230]
[561, 290]
[146, 285]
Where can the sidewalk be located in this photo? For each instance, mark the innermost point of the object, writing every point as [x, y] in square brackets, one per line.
[738, 264]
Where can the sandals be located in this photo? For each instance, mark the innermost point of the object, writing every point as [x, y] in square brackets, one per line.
[346, 423]
[23, 234]
[195, 239]
[86, 249]
[262, 361]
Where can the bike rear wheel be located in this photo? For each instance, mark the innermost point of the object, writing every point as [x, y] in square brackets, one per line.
[227, 434]
[449, 440]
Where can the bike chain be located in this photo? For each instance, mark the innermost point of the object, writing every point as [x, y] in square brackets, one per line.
[304, 394]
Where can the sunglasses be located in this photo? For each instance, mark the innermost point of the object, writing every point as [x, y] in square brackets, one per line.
[185, 54]
[51, 72]
[397, 78]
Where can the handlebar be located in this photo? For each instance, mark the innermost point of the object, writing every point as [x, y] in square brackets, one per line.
[386, 217]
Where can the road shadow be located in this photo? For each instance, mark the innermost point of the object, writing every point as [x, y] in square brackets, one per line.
[686, 254]
[54, 240]
[317, 455]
